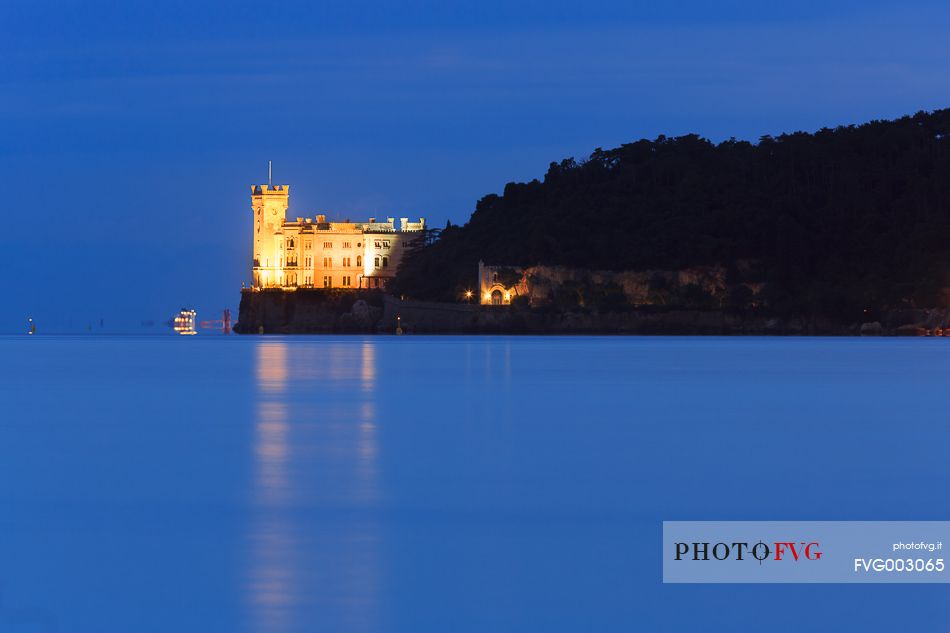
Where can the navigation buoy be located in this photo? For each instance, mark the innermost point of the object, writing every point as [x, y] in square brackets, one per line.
[32, 326]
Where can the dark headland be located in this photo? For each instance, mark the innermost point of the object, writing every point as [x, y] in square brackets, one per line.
[841, 231]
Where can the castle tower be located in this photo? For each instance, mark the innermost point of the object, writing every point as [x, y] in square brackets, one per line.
[269, 203]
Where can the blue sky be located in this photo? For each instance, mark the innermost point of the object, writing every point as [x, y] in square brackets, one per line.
[130, 132]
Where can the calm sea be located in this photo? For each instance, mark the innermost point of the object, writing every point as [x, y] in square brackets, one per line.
[449, 484]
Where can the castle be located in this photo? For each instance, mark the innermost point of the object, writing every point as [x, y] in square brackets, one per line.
[312, 252]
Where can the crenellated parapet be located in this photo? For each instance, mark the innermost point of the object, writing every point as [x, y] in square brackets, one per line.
[258, 190]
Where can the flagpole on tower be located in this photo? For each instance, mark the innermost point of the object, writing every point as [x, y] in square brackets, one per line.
[269, 173]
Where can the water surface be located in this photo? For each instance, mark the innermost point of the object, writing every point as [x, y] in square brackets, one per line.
[448, 483]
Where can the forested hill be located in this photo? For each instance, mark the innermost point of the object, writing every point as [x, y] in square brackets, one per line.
[832, 222]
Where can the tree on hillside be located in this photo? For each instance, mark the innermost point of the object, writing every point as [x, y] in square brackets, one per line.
[832, 222]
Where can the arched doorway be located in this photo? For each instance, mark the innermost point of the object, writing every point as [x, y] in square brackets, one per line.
[496, 297]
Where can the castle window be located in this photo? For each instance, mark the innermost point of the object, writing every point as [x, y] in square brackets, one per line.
[376, 262]
[346, 281]
[359, 260]
[306, 244]
[376, 244]
[328, 245]
[328, 262]
[308, 262]
[386, 244]
[385, 262]
[346, 244]
[326, 281]
[290, 244]
[358, 245]
[346, 261]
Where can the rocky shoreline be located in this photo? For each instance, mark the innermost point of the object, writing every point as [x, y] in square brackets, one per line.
[321, 311]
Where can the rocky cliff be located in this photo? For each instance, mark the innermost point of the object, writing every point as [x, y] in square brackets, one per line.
[309, 311]
[337, 311]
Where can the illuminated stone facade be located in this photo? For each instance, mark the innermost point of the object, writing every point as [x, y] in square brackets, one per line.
[492, 280]
[315, 253]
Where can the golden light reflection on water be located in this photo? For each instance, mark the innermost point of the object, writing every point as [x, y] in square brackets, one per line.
[368, 366]
[315, 451]
[366, 451]
[271, 453]
[272, 367]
